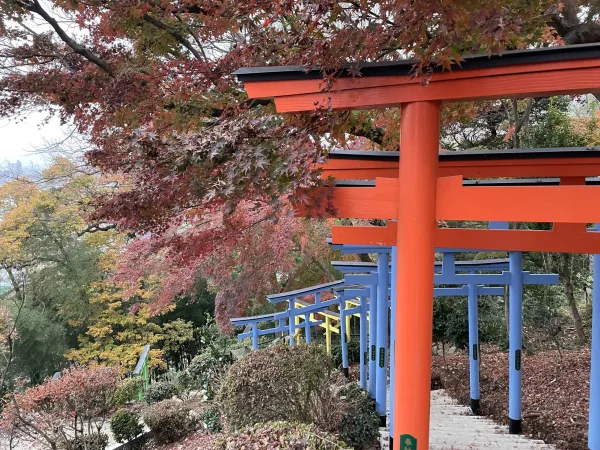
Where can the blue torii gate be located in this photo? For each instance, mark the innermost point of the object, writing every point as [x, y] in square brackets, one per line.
[255, 332]
[379, 287]
[378, 371]
[515, 278]
[375, 386]
[318, 305]
[290, 314]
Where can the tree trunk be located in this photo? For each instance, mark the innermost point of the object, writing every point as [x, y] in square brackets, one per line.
[564, 275]
[364, 257]
[444, 354]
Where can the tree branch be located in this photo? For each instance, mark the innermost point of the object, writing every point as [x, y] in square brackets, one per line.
[519, 121]
[191, 31]
[178, 37]
[570, 28]
[30, 424]
[373, 134]
[94, 228]
[35, 7]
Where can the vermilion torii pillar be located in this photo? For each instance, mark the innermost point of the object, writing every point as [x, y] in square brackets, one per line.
[414, 305]
[422, 193]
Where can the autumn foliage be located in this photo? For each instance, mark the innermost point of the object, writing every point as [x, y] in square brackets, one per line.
[201, 167]
[59, 411]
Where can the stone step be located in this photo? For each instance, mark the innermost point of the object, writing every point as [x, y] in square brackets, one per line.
[452, 427]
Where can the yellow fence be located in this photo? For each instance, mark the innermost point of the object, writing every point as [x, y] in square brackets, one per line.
[331, 323]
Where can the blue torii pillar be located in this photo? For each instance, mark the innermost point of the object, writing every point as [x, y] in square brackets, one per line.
[372, 339]
[361, 309]
[291, 323]
[364, 353]
[383, 263]
[473, 349]
[449, 266]
[393, 340]
[345, 367]
[515, 341]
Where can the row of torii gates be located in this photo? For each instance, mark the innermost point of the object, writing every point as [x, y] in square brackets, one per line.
[368, 292]
[416, 188]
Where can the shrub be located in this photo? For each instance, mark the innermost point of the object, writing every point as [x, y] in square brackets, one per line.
[128, 390]
[125, 425]
[353, 353]
[92, 441]
[169, 420]
[205, 370]
[278, 383]
[359, 423]
[281, 435]
[44, 414]
[159, 391]
[211, 418]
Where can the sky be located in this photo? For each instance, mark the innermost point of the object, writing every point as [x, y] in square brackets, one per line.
[19, 140]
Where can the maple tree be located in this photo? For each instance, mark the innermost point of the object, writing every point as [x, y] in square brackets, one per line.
[151, 84]
[245, 256]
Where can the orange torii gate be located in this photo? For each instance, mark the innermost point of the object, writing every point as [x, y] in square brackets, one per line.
[415, 190]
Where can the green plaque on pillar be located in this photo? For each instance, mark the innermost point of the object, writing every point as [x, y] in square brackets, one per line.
[408, 442]
[373, 352]
[381, 357]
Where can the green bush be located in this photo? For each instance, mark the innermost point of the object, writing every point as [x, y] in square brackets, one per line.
[128, 390]
[211, 418]
[359, 423]
[159, 391]
[282, 435]
[205, 370]
[353, 353]
[125, 425]
[169, 420]
[92, 441]
[277, 383]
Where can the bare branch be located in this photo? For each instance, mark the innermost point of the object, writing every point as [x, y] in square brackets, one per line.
[178, 37]
[191, 31]
[94, 228]
[35, 7]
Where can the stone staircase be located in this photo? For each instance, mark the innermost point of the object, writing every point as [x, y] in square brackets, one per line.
[454, 428]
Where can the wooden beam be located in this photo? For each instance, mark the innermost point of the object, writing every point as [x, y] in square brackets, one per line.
[383, 236]
[565, 203]
[571, 227]
[468, 238]
[518, 240]
[271, 89]
[539, 84]
[517, 168]
[359, 203]
[568, 204]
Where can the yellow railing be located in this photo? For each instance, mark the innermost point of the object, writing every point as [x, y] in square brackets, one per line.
[331, 324]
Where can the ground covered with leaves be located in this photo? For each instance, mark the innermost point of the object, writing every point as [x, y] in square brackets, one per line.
[197, 440]
[555, 391]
